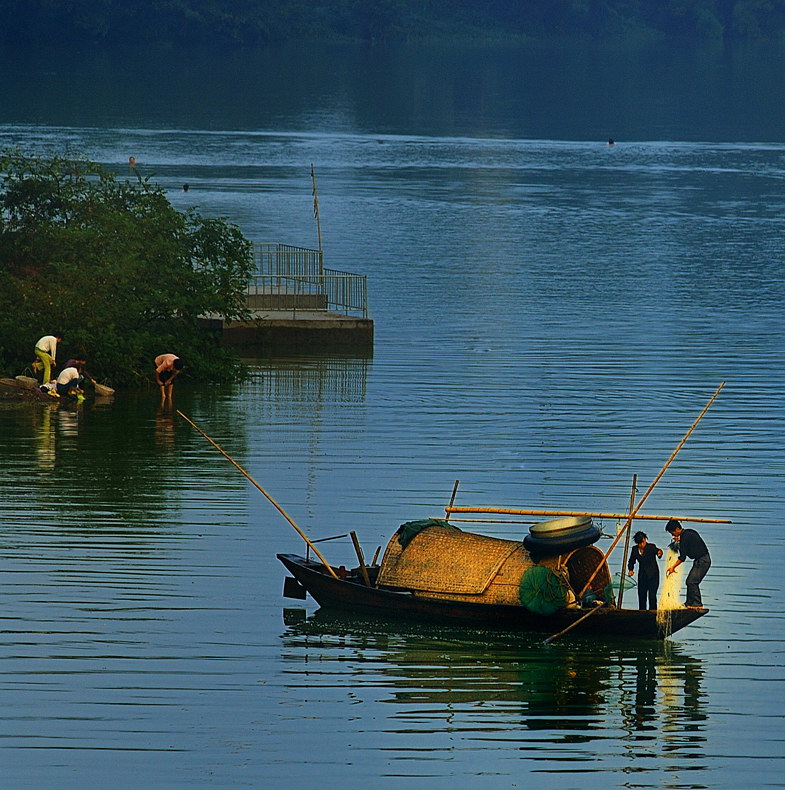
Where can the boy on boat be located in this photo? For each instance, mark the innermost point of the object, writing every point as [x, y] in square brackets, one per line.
[690, 545]
[646, 555]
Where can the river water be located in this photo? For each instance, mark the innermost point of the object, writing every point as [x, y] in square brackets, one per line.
[552, 313]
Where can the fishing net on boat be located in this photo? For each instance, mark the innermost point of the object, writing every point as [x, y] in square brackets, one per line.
[411, 529]
[542, 591]
[669, 592]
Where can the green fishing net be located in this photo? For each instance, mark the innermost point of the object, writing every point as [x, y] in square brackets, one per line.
[542, 591]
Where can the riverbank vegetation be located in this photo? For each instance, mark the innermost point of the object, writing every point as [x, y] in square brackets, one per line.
[253, 22]
[111, 264]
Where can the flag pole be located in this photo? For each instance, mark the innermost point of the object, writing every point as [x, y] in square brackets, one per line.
[316, 209]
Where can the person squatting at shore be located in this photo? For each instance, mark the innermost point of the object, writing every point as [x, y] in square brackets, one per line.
[69, 382]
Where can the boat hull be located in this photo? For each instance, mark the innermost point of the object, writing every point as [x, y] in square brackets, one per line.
[330, 592]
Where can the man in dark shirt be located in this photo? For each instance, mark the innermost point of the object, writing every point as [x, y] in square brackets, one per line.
[646, 555]
[690, 545]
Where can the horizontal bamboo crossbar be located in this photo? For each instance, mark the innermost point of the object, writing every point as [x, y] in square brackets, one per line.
[518, 512]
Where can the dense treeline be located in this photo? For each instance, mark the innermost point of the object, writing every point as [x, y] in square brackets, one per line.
[249, 22]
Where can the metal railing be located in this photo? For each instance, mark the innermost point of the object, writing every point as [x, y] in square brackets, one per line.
[294, 278]
[287, 260]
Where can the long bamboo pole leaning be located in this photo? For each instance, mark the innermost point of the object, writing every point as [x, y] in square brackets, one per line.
[623, 574]
[654, 482]
[270, 499]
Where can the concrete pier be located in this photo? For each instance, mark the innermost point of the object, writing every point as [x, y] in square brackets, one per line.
[302, 330]
[296, 304]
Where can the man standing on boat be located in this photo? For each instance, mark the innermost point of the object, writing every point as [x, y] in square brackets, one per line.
[646, 555]
[690, 545]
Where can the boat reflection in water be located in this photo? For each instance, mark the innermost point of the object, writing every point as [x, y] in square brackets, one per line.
[491, 685]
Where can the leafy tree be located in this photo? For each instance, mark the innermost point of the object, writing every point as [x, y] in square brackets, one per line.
[115, 267]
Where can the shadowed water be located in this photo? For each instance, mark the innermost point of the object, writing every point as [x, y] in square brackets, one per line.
[551, 315]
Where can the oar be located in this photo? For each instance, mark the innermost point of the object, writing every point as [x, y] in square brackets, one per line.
[597, 606]
[271, 500]
[649, 490]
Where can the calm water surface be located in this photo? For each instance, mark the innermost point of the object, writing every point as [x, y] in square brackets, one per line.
[551, 316]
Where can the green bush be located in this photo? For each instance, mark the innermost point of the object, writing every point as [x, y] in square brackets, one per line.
[115, 267]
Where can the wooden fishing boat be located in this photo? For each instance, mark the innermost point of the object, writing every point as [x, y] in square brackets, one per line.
[553, 581]
[445, 575]
[100, 389]
[12, 388]
[28, 388]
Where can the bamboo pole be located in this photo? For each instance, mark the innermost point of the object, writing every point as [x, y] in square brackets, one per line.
[448, 509]
[623, 574]
[654, 482]
[316, 210]
[360, 558]
[594, 514]
[271, 500]
[597, 606]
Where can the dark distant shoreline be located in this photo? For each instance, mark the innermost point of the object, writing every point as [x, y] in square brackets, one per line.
[233, 23]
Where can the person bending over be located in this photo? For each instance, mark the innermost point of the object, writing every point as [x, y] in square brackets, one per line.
[46, 353]
[69, 382]
[690, 545]
[167, 368]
